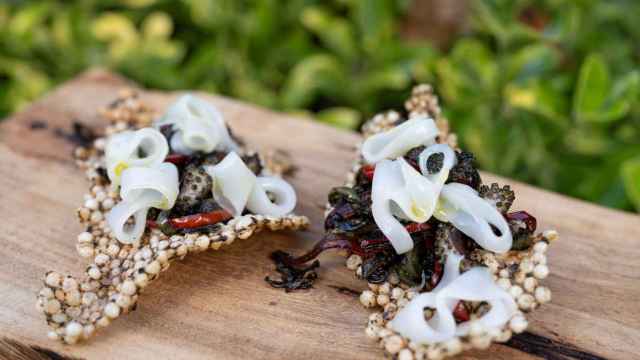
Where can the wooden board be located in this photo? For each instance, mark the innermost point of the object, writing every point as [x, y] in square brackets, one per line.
[216, 304]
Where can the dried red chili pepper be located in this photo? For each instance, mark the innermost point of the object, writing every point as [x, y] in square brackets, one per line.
[437, 274]
[461, 313]
[177, 159]
[368, 170]
[417, 227]
[199, 220]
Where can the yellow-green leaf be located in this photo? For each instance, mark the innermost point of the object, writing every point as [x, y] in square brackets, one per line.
[592, 89]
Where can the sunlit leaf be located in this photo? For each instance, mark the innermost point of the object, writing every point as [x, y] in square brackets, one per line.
[29, 17]
[157, 24]
[112, 26]
[138, 3]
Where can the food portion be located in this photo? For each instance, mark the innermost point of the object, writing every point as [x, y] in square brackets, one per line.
[449, 265]
[160, 190]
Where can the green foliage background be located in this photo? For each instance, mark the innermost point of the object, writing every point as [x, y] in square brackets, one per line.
[542, 91]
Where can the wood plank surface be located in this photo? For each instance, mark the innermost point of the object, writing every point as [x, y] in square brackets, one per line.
[216, 304]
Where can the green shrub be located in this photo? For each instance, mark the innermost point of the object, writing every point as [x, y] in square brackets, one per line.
[542, 91]
[547, 92]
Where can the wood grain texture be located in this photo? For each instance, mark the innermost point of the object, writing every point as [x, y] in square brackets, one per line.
[216, 304]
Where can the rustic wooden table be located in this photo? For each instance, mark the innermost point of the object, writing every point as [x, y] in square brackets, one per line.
[216, 304]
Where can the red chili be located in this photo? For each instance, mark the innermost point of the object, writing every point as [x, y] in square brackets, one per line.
[417, 227]
[437, 273]
[356, 248]
[461, 313]
[176, 159]
[198, 220]
[368, 170]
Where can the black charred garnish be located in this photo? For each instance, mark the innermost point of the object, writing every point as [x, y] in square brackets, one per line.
[464, 171]
[167, 131]
[435, 162]
[38, 124]
[208, 205]
[80, 134]
[412, 156]
[253, 163]
[501, 197]
[102, 172]
[292, 278]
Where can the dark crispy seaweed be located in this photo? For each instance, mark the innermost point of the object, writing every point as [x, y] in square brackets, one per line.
[291, 277]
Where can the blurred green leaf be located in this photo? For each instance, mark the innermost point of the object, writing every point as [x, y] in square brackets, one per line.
[311, 75]
[622, 96]
[341, 117]
[592, 89]
[596, 100]
[531, 61]
[335, 32]
[470, 67]
[631, 178]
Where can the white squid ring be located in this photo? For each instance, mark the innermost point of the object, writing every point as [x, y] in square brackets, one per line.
[199, 126]
[235, 188]
[476, 284]
[474, 216]
[398, 190]
[141, 148]
[142, 188]
[400, 139]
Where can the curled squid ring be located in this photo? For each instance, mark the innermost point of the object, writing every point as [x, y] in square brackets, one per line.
[402, 138]
[199, 126]
[140, 148]
[398, 190]
[141, 189]
[476, 284]
[474, 216]
[235, 188]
